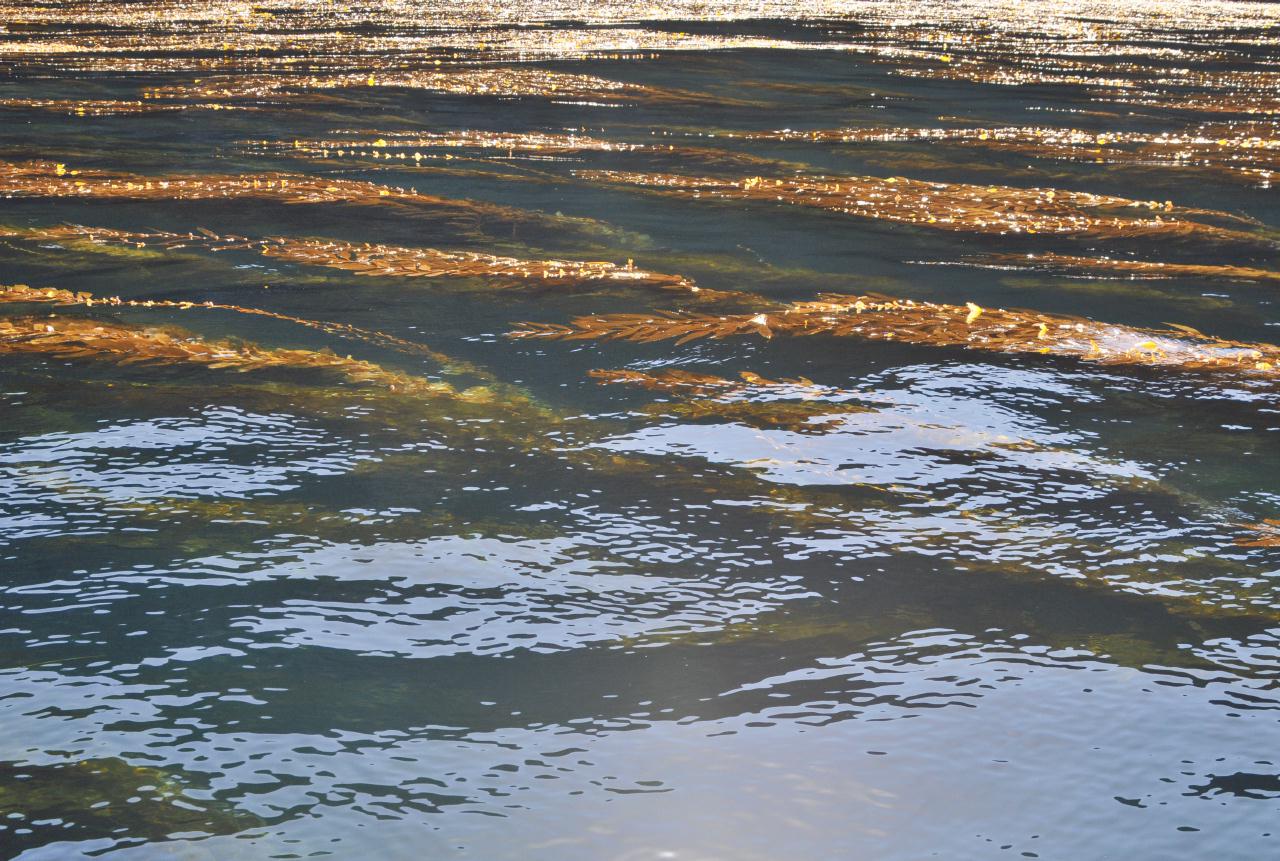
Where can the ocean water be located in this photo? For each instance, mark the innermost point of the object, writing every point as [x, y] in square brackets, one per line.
[345, 517]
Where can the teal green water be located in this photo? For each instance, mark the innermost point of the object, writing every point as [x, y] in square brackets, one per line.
[1002, 610]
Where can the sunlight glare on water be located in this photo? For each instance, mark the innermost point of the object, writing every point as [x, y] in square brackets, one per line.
[704, 431]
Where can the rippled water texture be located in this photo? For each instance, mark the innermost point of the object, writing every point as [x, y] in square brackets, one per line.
[593, 431]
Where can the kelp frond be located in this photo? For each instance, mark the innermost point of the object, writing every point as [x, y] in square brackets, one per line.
[21, 293]
[1265, 534]
[476, 81]
[684, 383]
[389, 260]
[55, 180]
[1132, 268]
[112, 107]
[71, 338]
[799, 405]
[961, 207]
[413, 148]
[1251, 151]
[927, 323]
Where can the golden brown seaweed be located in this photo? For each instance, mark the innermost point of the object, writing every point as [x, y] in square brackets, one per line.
[969, 326]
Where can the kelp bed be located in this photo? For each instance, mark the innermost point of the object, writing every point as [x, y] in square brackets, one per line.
[1245, 151]
[999, 210]
[390, 388]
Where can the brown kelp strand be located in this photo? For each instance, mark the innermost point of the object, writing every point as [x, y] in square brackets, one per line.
[417, 147]
[478, 81]
[927, 323]
[1264, 534]
[1244, 104]
[111, 107]
[960, 207]
[798, 405]
[524, 142]
[52, 179]
[384, 260]
[802, 417]
[682, 383]
[392, 261]
[22, 293]
[74, 338]
[1131, 268]
[1252, 152]
[448, 365]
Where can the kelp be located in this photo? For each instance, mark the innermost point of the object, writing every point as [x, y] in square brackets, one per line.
[367, 143]
[1265, 534]
[107, 797]
[390, 260]
[927, 323]
[1249, 152]
[684, 383]
[54, 180]
[416, 147]
[22, 293]
[1131, 268]
[74, 338]
[1243, 104]
[377, 260]
[799, 405]
[958, 207]
[111, 107]
[502, 82]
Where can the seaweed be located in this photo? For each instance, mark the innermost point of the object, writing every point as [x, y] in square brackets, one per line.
[928, 323]
[1250, 152]
[1131, 268]
[107, 797]
[500, 82]
[412, 149]
[389, 261]
[958, 207]
[46, 179]
[799, 406]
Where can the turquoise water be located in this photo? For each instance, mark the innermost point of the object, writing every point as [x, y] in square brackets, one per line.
[896, 600]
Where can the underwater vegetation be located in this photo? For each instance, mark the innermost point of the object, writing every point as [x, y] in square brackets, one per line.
[1244, 151]
[52, 179]
[928, 323]
[385, 261]
[727, 429]
[958, 207]
[109, 797]
[1052, 262]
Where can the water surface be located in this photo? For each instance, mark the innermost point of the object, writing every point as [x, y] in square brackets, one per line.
[882, 598]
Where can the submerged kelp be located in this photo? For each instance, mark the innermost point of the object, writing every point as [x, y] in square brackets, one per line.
[72, 338]
[22, 293]
[98, 798]
[497, 82]
[385, 260]
[358, 601]
[1265, 534]
[928, 323]
[412, 149]
[110, 107]
[800, 406]
[1103, 266]
[1249, 152]
[36, 179]
[959, 207]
